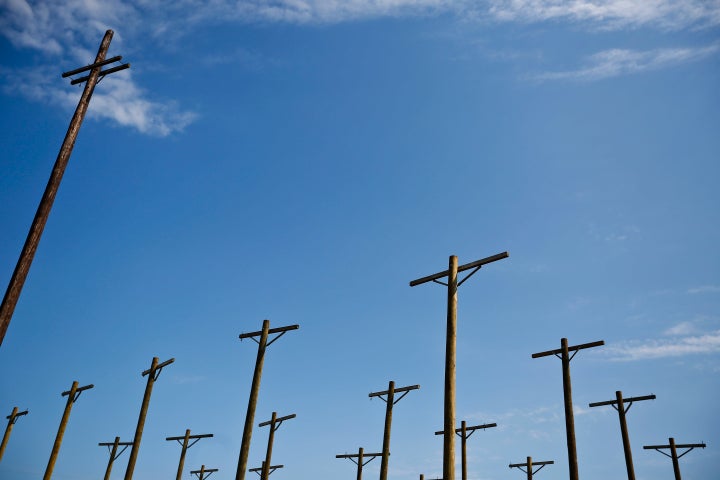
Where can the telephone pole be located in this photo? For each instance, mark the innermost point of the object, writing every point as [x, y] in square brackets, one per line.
[360, 462]
[255, 387]
[152, 373]
[527, 467]
[113, 447]
[185, 445]
[673, 452]
[274, 424]
[17, 280]
[271, 469]
[450, 345]
[464, 432]
[563, 353]
[201, 473]
[73, 394]
[390, 402]
[619, 405]
[12, 420]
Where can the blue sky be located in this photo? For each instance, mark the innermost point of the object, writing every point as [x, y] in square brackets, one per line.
[302, 161]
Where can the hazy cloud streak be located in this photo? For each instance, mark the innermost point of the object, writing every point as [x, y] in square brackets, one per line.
[651, 349]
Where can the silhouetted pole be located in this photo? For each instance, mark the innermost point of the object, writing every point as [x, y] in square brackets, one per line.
[274, 424]
[185, 445]
[464, 435]
[255, 388]
[673, 452]
[360, 462]
[12, 294]
[113, 447]
[12, 419]
[619, 405]
[390, 401]
[527, 467]
[450, 344]
[259, 470]
[563, 353]
[72, 395]
[201, 473]
[152, 373]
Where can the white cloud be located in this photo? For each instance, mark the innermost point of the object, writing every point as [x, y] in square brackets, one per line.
[682, 328]
[705, 289]
[708, 343]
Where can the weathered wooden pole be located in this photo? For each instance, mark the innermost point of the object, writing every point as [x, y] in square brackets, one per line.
[12, 419]
[185, 445]
[673, 452]
[527, 467]
[17, 280]
[201, 473]
[114, 454]
[274, 424]
[72, 395]
[465, 432]
[360, 462]
[152, 373]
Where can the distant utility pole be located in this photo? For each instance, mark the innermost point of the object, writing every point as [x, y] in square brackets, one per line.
[185, 445]
[114, 455]
[563, 353]
[390, 401]
[274, 424]
[12, 294]
[527, 467]
[255, 388]
[72, 395]
[673, 452]
[12, 420]
[271, 469]
[152, 373]
[201, 473]
[465, 432]
[360, 462]
[619, 405]
[450, 344]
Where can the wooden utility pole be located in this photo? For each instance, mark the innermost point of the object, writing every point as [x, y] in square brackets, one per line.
[73, 394]
[619, 405]
[185, 445]
[114, 454]
[274, 424]
[263, 343]
[563, 353]
[360, 462]
[271, 469]
[673, 452]
[12, 294]
[390, 401]
[152, 373]
[464, 432]
[201, 473]
[450, 345]
[527, 467]
[12, 419]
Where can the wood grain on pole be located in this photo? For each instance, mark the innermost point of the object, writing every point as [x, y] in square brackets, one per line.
[449, 397]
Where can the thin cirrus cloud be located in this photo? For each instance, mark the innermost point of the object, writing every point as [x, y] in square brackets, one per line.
[678, 346]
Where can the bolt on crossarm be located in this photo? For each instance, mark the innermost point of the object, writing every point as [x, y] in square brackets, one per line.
[263, 343]
[450, 346]
[12, 420]
[390, 401]
[672, 446]
[274, 424]
[619, 405]
[464, 432]
[201, 474]
[185, 443]
[114, 454]
[152, 373]
[17, 280]
[360, 462]
[73, 394]
[527, 467]
[563, 353]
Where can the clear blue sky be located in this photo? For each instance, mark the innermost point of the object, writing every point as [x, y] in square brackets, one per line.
[302, 161]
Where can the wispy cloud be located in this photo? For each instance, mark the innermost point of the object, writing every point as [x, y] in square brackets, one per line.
[682, 328]
[704, 289]
[707, 343]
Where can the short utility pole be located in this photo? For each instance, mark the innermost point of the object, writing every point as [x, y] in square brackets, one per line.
[271, 469]
[563, 353]
[360, 462]
[527, 467]
[12, 294]
[263, 343]
[673, 452]
[390, 401]
[114, 454]
[183, 441]
[200, 474]
[619, 405]
[274, 424]
[12, 420]
[464, 432]
[73, 394]
[152, 373]
[450, 345]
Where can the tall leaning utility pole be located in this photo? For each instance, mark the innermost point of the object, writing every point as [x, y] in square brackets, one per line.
[673, 452]
[464, 432]
[450, 344]
[12, 294]
[114, 454]
[12, 420]
[185, 444]
[274, 424]
[360, 462]
[563, 353]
